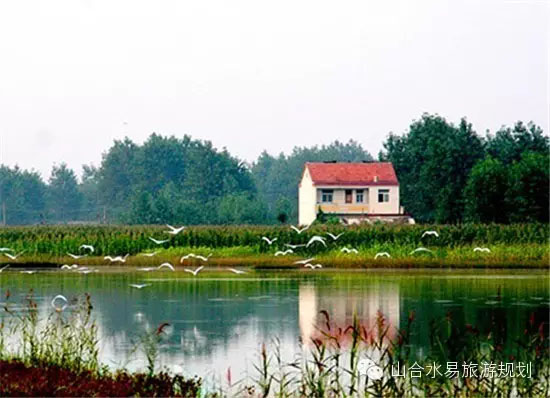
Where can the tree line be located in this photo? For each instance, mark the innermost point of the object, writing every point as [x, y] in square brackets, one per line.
[447, 174]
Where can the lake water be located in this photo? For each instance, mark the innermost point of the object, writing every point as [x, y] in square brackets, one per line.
[220, 321]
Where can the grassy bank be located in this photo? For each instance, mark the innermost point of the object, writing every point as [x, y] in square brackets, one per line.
[520, 245]
[501, 256]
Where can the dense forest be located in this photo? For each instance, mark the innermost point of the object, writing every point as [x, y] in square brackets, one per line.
[447, 174]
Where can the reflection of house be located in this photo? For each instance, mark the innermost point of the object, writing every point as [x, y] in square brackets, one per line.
[351, 191]
[343, 305]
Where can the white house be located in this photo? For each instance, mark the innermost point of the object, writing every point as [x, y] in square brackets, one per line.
[353, 192]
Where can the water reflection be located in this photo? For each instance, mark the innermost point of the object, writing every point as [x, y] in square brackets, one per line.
[344, 306]
[221, 323]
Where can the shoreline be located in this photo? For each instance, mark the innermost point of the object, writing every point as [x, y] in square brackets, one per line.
[269, 262]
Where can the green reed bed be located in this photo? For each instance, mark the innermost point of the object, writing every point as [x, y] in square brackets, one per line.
[58, 240]
[519, 245]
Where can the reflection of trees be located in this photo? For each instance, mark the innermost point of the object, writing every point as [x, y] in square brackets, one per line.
[203, 315]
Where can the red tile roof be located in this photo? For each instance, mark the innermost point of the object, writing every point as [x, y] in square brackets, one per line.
[352, 173]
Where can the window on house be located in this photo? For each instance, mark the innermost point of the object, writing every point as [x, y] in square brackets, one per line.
[349, 195]
[383, 195]
[359, 196]
[326, 195]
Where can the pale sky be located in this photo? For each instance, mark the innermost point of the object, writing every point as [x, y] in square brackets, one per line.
[254, 75]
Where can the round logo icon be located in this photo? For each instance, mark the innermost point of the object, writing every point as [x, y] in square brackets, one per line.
[375, 372]
[367, 367]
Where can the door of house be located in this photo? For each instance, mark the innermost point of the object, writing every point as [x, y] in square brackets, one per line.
[349, 195]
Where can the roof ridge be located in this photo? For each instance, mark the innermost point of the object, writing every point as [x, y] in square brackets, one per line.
[352, 173]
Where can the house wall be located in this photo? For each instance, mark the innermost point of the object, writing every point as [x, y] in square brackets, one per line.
[391, 207]
[370, 201]
[307, 211]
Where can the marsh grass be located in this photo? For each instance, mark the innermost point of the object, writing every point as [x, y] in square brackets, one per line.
[65, 339]
[518, 245]
[108, 240]
[330, 368]
[57, 354]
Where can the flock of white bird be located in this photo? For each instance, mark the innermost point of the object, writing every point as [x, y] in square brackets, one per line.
[86, 249]
[322, 240]
[59, 302]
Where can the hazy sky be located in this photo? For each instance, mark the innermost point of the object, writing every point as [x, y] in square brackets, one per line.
[254, 75]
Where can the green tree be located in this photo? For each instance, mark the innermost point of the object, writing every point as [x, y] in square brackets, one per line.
[283, 208]
[485, 192]
[528, 188]
[91, 208]
[142, 211]
[64, 197]
[432, 162]
[186, 179]
[241, 209]
[508, 144]
[22, 195]
[117, 173]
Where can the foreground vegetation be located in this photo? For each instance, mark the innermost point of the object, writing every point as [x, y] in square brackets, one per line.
[335, 365]
[58, 356]
[518, 245]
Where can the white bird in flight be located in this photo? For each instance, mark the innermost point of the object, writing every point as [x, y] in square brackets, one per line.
[335, 237]
[67, 266]
[294, 246]
[147, 269]
[313, 266]
[158, 242]
[87, 247]
[148, 254]
[346, 250]
[307, 260]
[194, 272]
[166, 265]
[139, 286]
[13, 256]
[117, 259]
[85, 270]
[382, 254]
[187, 256]
[300, 230]
[421, 249]
[4, 267]
[269, 241]
[482, 249]
[202, 258]
[28, 271]
[316, 238]
[76, 256]
[174, 230]
[62, 298]
[237, 271]
[434, 233]
[283, 253]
